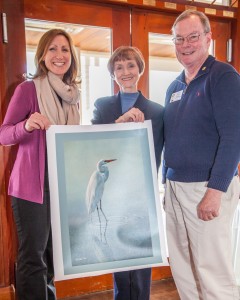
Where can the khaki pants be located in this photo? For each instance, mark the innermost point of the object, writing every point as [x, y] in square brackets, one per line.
[200, 251]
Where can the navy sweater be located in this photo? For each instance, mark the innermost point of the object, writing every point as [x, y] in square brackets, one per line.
[202, 126]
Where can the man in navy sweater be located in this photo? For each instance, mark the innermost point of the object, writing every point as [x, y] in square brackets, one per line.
[202, 151]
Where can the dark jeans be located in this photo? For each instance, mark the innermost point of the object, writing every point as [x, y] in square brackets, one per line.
[34, 273]
[132, 285]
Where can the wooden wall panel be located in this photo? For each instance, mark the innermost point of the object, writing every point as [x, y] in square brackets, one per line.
[7, 293]
[117, 18]
[236, 41]
[142, 25]
[75, 287]
[81, 12]
[12, 66]
[180, 5]
[221, 30]
[145, 22]
[140, 40]
[76, 12]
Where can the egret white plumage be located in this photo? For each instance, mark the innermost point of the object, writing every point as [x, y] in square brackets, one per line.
[95, 187]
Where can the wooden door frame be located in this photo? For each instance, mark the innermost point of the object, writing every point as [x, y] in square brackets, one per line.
[113, 15]
[94, 14]
[144, 22]
[12, 66]
[236, 41]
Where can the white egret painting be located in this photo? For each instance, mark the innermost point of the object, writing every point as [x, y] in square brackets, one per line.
[105, 208]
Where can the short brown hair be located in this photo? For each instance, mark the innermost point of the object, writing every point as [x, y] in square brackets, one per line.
[188, 13]
[126, 53]
[42, 48]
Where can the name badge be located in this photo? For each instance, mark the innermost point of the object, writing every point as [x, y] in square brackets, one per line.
[176, 96]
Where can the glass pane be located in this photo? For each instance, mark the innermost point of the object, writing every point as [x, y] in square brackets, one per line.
[163, 65]
[163, 69]
[93, 48]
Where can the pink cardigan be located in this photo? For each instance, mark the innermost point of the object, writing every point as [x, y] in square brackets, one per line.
[27, 177]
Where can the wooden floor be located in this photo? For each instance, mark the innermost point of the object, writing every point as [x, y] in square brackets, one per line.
[163, 289]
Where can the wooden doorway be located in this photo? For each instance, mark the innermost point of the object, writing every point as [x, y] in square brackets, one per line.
[128, 26]
[147, 24]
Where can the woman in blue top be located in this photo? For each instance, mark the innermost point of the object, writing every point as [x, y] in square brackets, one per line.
[126, 65]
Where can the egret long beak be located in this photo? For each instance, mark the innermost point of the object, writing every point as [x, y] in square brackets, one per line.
[109, 160]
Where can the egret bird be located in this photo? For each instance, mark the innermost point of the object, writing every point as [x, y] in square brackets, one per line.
[95, 188]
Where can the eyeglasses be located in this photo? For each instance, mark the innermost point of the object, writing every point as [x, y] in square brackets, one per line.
[191, 38]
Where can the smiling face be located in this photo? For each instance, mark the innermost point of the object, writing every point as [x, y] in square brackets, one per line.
[58, 56]
[126, 74]
[192, 55]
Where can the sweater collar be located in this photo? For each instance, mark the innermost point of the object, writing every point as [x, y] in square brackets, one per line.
[116, 108]
[203, 70]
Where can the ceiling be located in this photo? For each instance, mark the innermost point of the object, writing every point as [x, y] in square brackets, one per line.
[90, 38]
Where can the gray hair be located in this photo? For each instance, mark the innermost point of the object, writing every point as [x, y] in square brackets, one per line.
[188, 13]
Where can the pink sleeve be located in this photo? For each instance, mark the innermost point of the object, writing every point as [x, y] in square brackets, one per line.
[12, 131]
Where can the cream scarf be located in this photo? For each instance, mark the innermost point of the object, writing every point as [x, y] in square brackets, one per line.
[47, 89]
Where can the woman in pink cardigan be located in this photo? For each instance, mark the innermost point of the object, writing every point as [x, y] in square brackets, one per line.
[50, 98]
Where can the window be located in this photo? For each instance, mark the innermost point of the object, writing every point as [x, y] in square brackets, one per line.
[93, 48]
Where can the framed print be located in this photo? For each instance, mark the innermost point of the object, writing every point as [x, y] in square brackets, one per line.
[105, 208]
